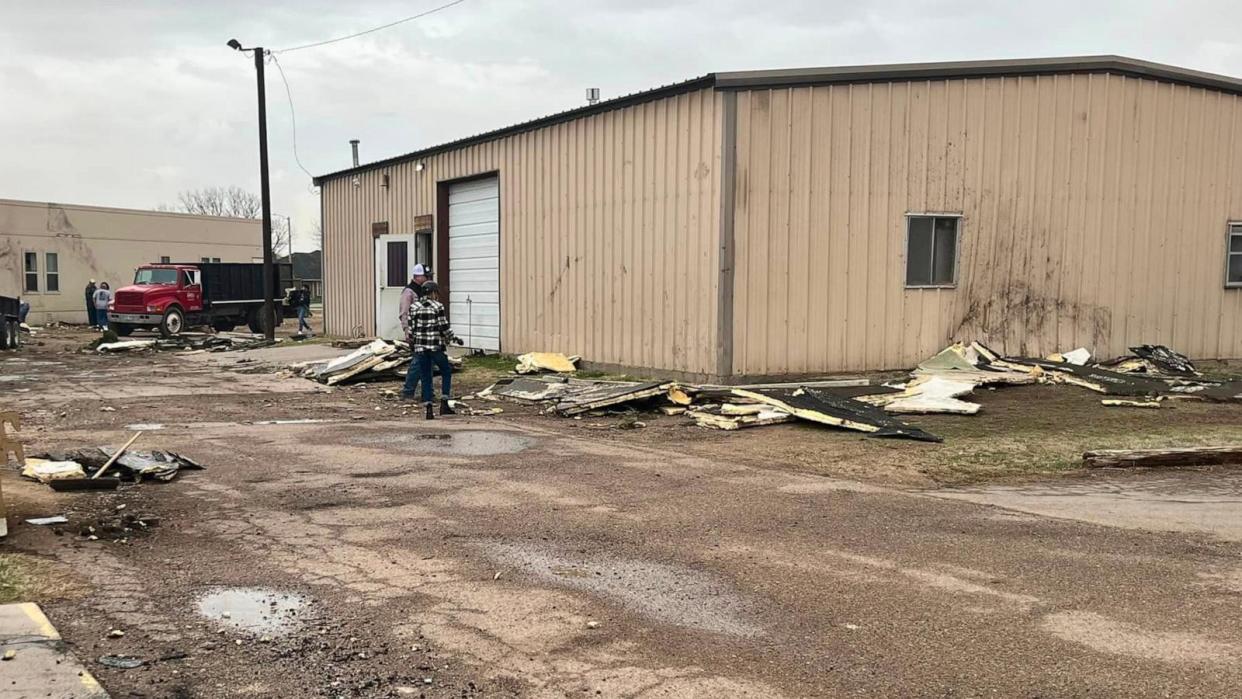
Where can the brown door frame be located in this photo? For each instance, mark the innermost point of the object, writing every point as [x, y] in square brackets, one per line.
[442, 232]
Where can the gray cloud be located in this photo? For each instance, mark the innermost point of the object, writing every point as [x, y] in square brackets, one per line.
[127, 103]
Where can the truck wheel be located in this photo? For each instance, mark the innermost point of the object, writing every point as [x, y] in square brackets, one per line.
[123, 329]
[255, 321]
[173, 322]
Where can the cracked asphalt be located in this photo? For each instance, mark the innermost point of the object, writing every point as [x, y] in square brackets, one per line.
[523, 555]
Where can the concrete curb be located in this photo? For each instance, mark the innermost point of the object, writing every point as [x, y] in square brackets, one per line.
[41, 665]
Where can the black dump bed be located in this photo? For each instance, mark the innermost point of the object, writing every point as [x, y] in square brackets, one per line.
[241, 281]
[9, 307]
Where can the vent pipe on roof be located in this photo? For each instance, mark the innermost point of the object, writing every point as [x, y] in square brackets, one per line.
[592, 95]
[353, 144]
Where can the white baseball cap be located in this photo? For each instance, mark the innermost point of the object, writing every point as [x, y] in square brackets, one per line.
[419, 271]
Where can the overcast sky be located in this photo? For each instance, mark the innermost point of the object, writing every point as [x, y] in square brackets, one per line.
[128, 103]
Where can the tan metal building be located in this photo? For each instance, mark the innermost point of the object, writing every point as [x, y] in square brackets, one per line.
[787, 222]
[49, 252]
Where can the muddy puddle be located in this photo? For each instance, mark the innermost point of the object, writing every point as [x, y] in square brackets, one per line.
[254, 610]
[463, 443]
[667, 593]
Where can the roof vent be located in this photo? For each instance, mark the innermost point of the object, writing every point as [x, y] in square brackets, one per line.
[353, 144]
[592, 95]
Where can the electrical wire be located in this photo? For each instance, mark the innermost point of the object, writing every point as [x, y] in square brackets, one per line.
[293, 117]
[375, 29]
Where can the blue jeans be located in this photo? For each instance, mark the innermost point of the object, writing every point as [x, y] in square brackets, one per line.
[411, 377]
[425, 361]
[303, 311]
[101, 318]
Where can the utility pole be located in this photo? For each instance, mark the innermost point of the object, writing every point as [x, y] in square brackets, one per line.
[268, 322]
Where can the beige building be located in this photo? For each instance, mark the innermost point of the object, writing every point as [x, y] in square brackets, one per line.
[49, 252]
[791, 222]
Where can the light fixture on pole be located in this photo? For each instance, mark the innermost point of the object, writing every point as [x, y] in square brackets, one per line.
[268, 321]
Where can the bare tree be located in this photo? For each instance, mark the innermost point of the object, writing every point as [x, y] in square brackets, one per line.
[233, 202]
[317, 235]
[220, 201]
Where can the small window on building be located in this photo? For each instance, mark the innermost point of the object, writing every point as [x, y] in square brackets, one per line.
[204, 259]
[422, 249]
[1234, 277]
[51, 274]
[32, 272]
[931, 250]
[398, 263]
[165, 259]
[215, 259]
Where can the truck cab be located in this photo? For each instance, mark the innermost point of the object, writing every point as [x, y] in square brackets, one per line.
[161, 296]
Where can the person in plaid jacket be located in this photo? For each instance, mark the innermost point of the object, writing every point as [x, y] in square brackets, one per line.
[429, 335]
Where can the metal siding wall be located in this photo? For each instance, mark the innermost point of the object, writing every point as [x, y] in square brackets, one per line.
[1094, 210]
[609, 233]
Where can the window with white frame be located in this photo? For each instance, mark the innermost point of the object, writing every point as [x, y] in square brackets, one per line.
[165, 259]
[32, 272]
[1233, 274]
[931, 250]
[51, 272]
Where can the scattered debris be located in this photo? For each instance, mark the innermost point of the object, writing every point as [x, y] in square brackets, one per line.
[377, 360]
[1184, 456]
[1120, 402]
[121, 662]
[43, 521]
[592, 624]
[127, 464]
[1078, 357]
[816, 405]
[9, 654]
[737, 420]
[69, 485]
[116, 633]
[125, 346]
[1166, 360]
[44, 470]
[930, 393]
[537, 362]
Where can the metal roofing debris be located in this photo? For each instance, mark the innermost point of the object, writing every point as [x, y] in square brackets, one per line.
[1166, 360]
[376, 360]
[817, 405]
[131, 465]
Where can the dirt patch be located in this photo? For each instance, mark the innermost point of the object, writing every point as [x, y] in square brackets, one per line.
[1109, 636]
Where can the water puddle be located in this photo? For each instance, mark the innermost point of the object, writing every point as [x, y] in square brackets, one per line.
[464, 443]
[670, 593]
[253, 609]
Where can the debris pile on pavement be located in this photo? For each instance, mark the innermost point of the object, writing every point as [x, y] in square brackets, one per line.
[378, 360]
[68, 470]
[203, 342]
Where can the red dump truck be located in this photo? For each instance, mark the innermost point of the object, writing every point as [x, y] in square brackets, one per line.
[223, 295]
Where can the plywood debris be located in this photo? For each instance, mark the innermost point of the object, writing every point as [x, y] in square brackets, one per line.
[1185, 456]
[1123, 403]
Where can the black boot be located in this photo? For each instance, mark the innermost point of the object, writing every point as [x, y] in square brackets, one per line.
[445, 408]
[430, 413]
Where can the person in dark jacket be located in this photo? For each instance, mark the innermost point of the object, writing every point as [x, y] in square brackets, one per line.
[90, 305]
[303, 306]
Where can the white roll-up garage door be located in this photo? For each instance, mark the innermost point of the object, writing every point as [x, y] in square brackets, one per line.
[474, 262]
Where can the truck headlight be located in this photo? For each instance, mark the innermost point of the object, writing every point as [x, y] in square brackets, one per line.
[152, 309]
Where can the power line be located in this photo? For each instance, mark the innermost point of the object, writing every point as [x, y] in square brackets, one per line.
[376, 29]
[293, 118]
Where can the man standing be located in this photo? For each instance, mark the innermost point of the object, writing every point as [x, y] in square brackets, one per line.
[90, 304]
[430, 335]
[304, 301]
[103, 296]
[411, 292]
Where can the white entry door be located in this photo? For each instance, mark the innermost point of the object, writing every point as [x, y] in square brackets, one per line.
[394, 255]
[474, 262]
